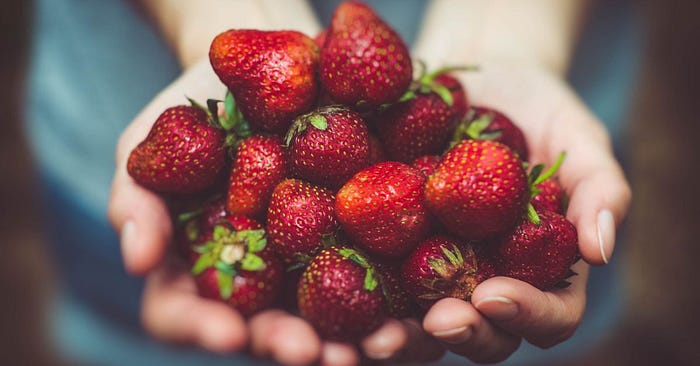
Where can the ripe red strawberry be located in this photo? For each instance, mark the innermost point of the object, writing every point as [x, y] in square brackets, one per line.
[376, 151]
[479, 190]
[183, 153]
[328, 146]
[539, 254]
[259, 164]
[364, 62]
[235, 266]
[340, 295]
[426, 164]
[424, 124]
[299, 219]
[550, 197]
[272, 74]
[381, 209]
[489, 124]
[444, 267]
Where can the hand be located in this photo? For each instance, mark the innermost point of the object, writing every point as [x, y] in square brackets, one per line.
[171, 308]
[504, 310]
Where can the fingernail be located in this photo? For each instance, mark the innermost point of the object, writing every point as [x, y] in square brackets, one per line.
[454, 336]
[128, 238]
[498, 308]
[379, 355]
[606, 234]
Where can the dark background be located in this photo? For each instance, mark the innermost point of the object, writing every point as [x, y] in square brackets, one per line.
[663, 163]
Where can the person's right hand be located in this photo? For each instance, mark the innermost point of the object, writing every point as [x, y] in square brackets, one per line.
[172, 310]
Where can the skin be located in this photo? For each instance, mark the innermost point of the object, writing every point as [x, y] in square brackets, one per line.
[521, 74]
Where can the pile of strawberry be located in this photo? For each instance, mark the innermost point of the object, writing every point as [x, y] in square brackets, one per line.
[335, 185]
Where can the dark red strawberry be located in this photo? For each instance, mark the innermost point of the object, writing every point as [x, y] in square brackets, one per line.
[376, 151]
[539, 254]
[328, 146]
[272, 74]
[341, 295]
[550, 197]
[489, 124]
[426, 164]
[364, 62]
[444, 267]
[399, 301]
[381, 209]
[259, 164]
[183, 153]
[300, 218]
[237, 267]
[424, 124]
[479, 190]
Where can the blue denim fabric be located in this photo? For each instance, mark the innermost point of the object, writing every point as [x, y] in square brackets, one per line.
[96, 64]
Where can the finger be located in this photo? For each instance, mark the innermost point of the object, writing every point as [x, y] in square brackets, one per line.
[543, 318]
[142, 220]
[172, 311]
[466, 332]
[386, 341]
[338, 354]
[420, 346]
[286, 339]
[598, 203]
[599, 193]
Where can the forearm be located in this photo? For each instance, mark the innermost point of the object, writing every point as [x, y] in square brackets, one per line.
[189, 26]
[539, 32]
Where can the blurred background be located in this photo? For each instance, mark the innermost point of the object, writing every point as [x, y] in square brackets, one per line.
[658, 323]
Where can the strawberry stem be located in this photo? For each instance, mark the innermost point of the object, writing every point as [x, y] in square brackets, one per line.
[532, 214]
[553, 169]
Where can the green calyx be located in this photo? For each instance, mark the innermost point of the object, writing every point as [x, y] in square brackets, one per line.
[456, 274]
[316, 119]
[536, 177]
[229, 252]
[371, 281]
[231, 121]
[426, 84]
[473, 128]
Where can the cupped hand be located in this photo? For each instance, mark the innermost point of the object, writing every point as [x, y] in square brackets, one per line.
[503, 310]
[172, 310]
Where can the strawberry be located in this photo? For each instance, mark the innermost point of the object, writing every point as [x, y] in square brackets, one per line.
[328, 146]
[426, 164]
[364, 62]
[341, 296]
[192, 225]
[489, 124]
[444, 267]
[376, 151]
[235, 266]
[423, 124]
[479, 190]
[272, 74]
[399, 301]
[539, 254]
[260, 163]
[300, 219]
[381, 209]
[550, 197]
[183, 153]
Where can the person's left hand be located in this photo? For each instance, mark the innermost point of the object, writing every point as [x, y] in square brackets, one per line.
[503, 310]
